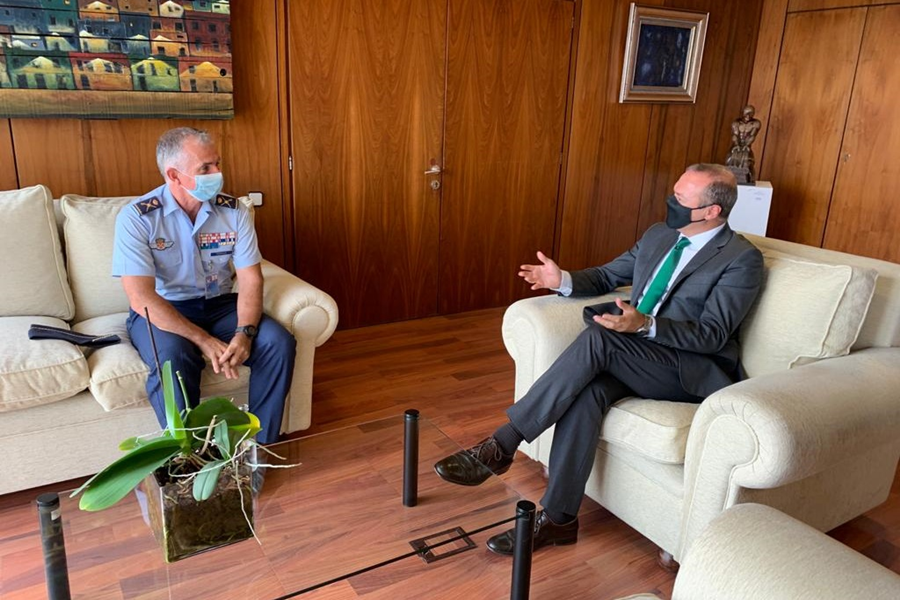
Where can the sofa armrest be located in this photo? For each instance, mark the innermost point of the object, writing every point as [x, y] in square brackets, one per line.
[537, 330]
[753, 551]
[301, 308]
[311, 316]
[777, 429]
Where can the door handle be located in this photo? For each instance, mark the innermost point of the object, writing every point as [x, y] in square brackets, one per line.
[434, 170]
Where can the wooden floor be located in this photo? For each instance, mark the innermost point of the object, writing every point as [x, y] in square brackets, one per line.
[455, 371]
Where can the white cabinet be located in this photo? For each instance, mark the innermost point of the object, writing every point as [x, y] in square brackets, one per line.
[751, 213]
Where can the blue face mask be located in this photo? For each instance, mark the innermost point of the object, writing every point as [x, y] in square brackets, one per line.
[206, 187]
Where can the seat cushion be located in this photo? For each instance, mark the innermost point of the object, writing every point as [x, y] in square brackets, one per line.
[119, 377]
[655, 429]
[35, 372]
[806, 311]
[32, 271]
[90, 226]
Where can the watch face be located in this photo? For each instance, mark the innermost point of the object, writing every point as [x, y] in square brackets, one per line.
[248, 330]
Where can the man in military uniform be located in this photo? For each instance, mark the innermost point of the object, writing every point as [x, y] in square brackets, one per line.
[179, 251]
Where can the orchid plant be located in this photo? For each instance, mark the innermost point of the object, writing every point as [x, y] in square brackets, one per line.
[196, 445]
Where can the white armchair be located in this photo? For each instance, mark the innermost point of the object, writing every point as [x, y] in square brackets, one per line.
[814, 431]
[753, 551]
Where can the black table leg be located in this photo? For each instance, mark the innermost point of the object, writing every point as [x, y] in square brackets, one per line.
[55, 566]
[411, 458]
[522, 551]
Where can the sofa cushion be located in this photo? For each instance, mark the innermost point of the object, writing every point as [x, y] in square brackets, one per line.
[655, 429]
[90, 227]
[806, 311]
[118, 375]
[34, 372]
[32, 269]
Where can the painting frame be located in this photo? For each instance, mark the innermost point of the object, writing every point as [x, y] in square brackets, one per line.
[663, 54]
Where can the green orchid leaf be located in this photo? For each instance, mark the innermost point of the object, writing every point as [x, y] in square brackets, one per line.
[173, 419]
[252, 428]
[130, 444]
[206, 479]
[136, 442]
[115, 481]
[223, 440]
[221, 408]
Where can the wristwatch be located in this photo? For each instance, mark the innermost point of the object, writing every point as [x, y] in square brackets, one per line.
[249, 330]
[645, 328]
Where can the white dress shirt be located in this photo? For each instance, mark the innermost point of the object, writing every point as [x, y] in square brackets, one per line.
[698, 241]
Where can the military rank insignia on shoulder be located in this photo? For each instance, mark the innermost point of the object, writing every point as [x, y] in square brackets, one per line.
[226, 201]
[147, 205]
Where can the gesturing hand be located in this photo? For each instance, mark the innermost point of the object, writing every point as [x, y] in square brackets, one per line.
[546, 275]
[628, 322]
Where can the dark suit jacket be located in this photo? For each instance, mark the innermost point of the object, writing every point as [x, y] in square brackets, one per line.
[701, 315]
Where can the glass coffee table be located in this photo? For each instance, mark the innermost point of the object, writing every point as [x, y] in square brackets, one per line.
[337, 515]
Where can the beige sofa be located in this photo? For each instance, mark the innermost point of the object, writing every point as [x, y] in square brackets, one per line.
[814, 431]
[64, 409]
[752, 551]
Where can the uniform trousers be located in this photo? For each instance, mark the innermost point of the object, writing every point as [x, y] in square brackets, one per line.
[600, 367]
[271, 359]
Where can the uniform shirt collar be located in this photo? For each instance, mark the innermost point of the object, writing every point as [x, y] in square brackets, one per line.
[170, 205]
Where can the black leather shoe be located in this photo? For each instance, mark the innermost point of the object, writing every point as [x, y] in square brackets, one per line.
[546, 533]
[475, 465]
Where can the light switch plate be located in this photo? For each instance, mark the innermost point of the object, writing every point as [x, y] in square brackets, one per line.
[256, 198]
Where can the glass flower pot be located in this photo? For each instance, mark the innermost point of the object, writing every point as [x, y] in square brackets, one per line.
[184, 526]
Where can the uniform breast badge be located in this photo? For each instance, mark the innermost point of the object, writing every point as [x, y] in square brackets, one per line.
[161, 244]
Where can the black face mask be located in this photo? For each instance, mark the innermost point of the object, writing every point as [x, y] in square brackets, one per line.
[678, 216]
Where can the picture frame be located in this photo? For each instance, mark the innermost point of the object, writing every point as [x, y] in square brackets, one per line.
[663, 54]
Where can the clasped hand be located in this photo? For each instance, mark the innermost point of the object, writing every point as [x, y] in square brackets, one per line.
[226, 358]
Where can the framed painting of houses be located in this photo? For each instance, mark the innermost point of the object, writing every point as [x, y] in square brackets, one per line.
[115, 59]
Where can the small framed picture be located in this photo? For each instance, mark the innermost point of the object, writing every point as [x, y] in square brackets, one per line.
[663, 52]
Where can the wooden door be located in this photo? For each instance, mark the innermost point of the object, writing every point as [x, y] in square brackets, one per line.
[865, 210]
[507, 82]
[366, 89]
[812, 94]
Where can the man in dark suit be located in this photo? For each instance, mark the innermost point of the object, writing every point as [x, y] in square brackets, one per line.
[693, 280]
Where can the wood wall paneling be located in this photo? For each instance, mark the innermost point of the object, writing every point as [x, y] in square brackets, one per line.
[807, 120]
[802, 5]
[624, 159]
[53, 152]
[765, 69]
[8, 178]
[367, 105]
[865, 213]
[507, 86]
[607, 145]
[117, 157]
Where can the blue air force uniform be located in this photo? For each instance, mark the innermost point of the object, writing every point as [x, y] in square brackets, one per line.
[193, 264]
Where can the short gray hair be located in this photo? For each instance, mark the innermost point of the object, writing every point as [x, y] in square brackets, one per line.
[723, 188]
[171, 144]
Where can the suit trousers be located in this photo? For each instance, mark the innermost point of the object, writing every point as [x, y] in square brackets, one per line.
[271, 359]
[600, 367]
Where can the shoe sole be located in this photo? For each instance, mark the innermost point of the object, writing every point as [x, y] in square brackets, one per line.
[564, 542]
[471, 484]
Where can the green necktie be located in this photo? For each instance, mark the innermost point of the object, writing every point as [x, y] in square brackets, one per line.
[661, 281]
